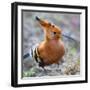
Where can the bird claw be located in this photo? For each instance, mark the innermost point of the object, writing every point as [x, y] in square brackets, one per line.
[44, 70]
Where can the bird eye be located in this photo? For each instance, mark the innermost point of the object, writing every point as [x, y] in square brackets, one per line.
[54, 32]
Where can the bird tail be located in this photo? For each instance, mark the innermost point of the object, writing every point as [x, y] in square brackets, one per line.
[31, 52]
[26, 55]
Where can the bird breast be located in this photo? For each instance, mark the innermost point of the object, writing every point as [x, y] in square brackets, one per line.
[51, 52]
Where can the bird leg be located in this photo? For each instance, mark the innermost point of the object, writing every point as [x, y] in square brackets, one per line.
[41, 64]
[58, 65]
[58, 68]
[45, 71]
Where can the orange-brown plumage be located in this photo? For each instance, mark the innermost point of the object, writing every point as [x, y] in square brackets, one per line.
[51, 50]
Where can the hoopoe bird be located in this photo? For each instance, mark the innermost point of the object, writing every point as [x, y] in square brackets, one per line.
[51, 50]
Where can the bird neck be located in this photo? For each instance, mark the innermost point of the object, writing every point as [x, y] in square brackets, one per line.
[47, 40]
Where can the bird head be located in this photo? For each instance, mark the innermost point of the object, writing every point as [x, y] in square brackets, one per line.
[51, 31]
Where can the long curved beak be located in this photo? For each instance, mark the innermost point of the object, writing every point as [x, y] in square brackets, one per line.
[37, 18]
[41, 22]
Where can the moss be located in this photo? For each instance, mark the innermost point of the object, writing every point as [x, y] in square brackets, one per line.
[29, 73]
[73, 51]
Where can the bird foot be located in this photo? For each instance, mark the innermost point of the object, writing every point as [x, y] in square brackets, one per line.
[44, 70]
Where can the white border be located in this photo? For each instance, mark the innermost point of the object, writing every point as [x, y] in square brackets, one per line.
[82, 48]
